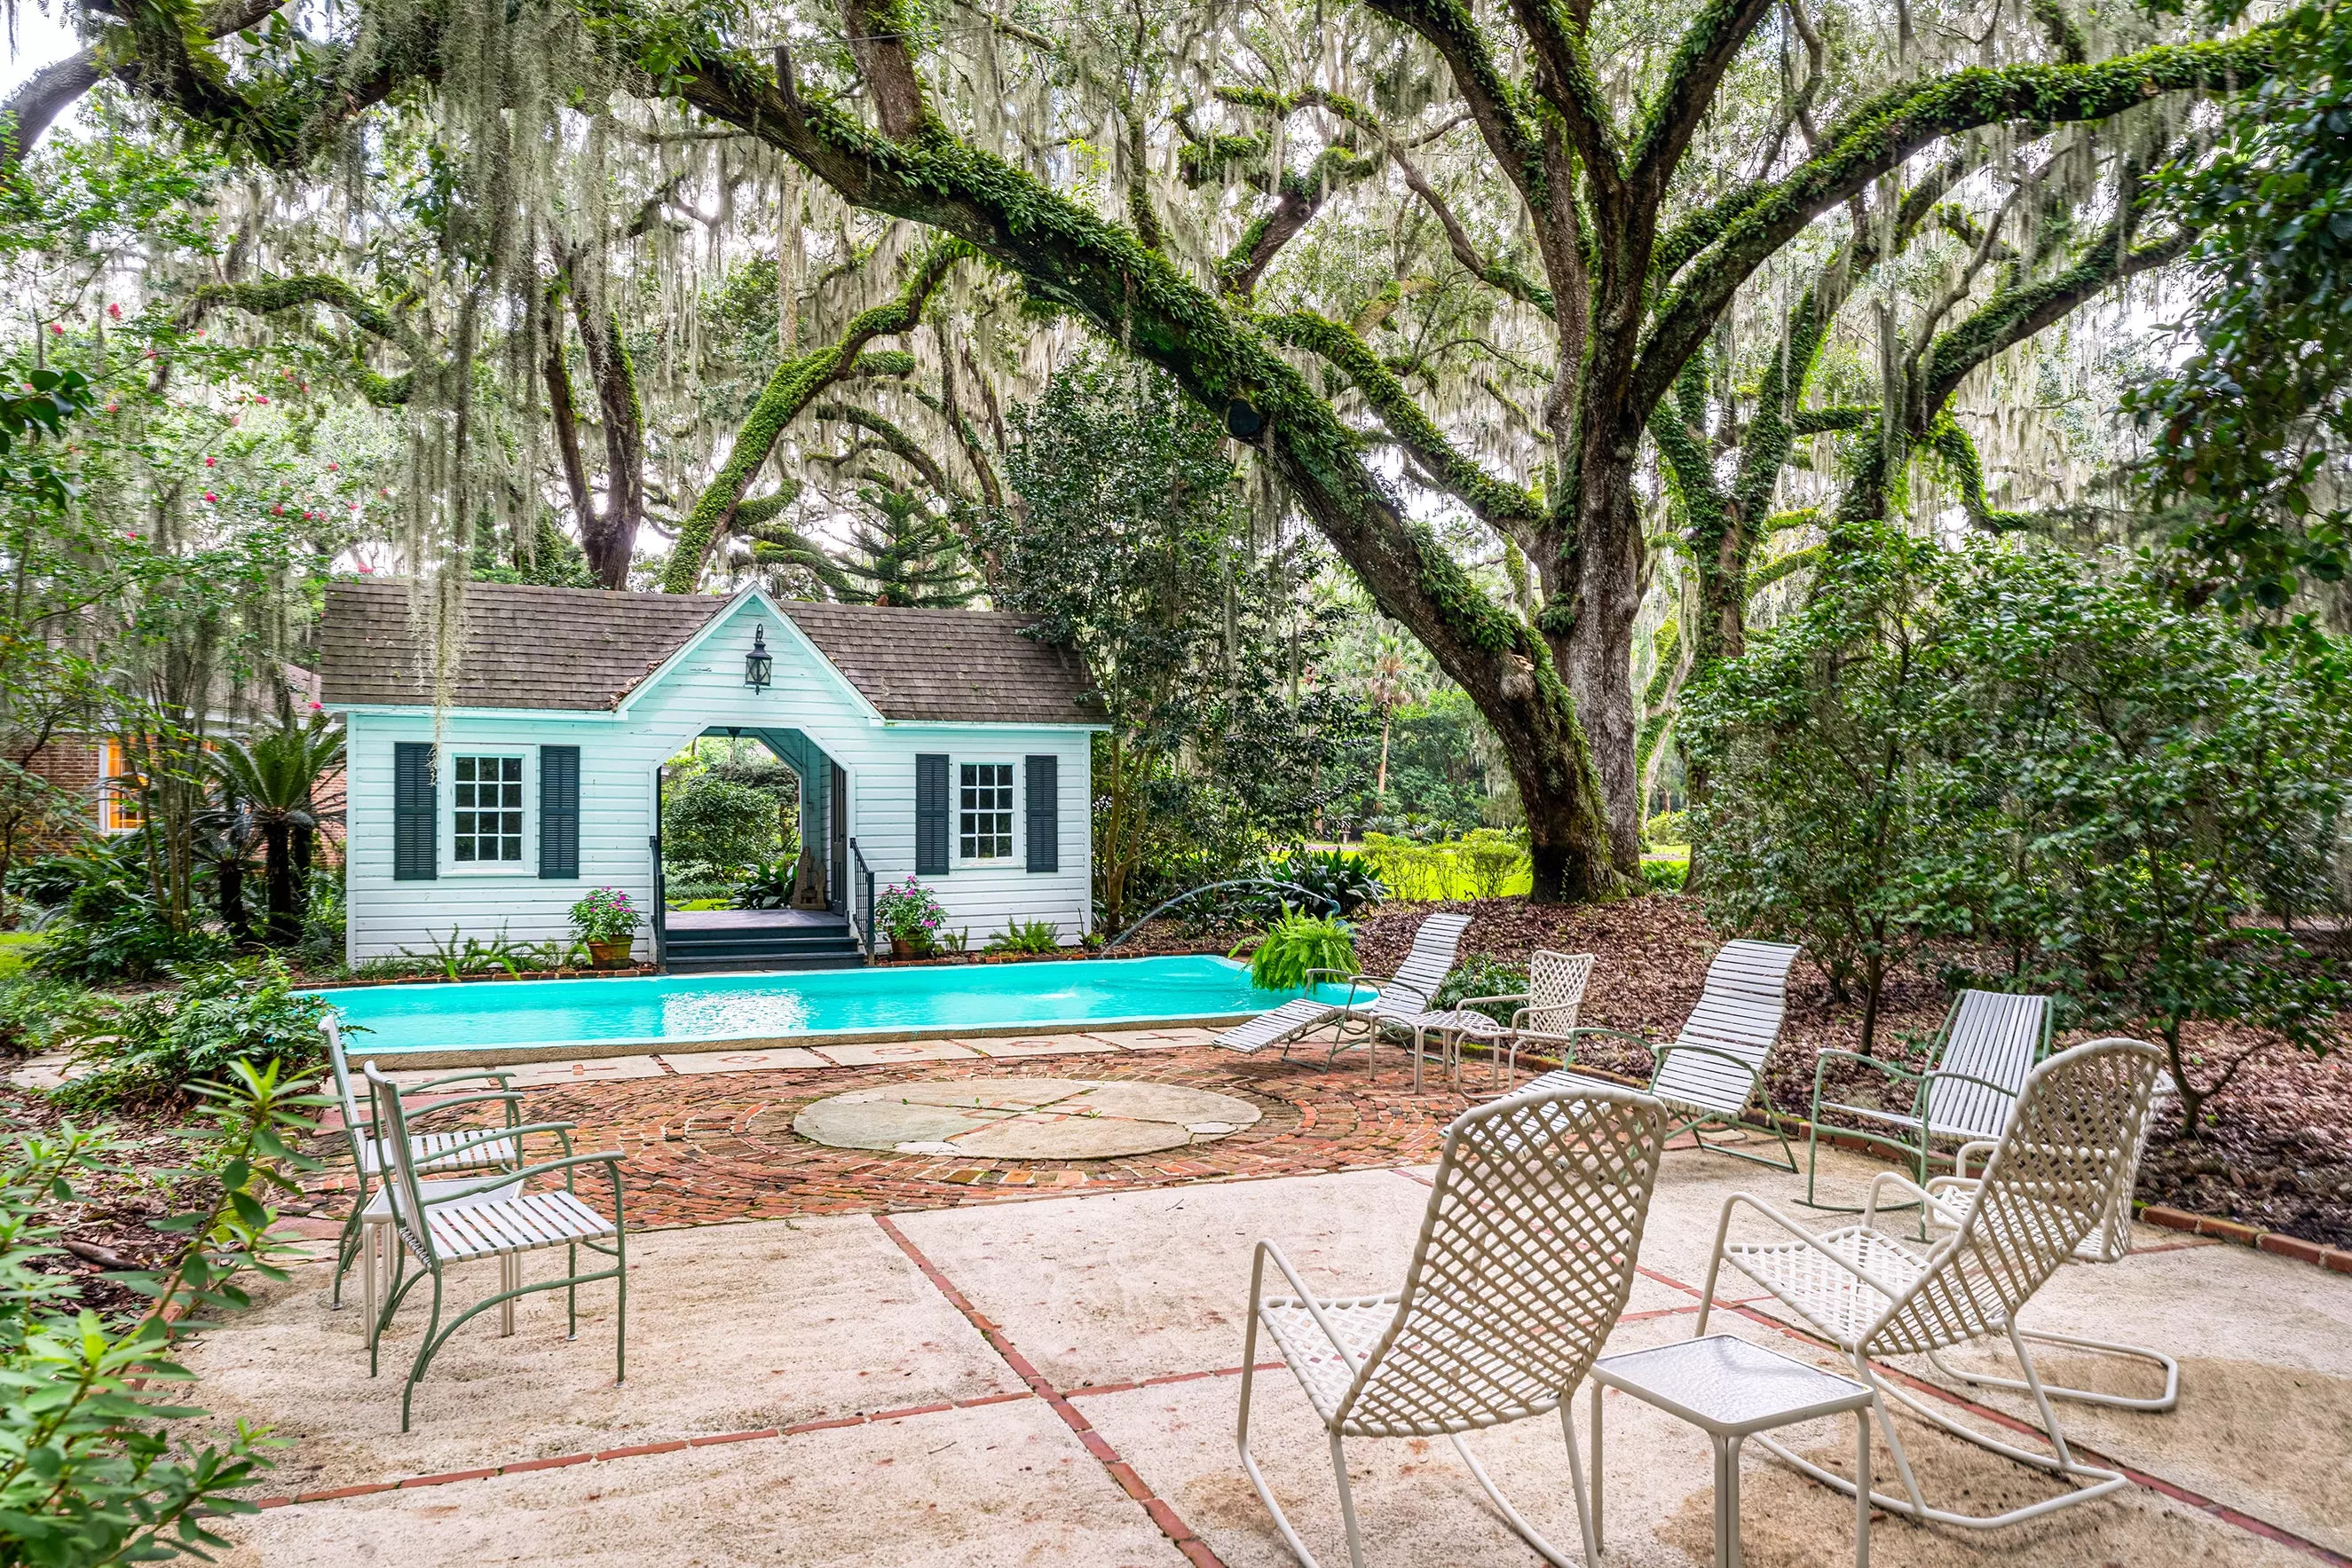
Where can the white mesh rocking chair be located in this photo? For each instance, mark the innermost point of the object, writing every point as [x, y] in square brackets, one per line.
[2071, 1140]
[1524, 1262]
[2110, 1243]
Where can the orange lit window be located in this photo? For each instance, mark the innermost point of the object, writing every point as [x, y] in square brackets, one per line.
[118, 792]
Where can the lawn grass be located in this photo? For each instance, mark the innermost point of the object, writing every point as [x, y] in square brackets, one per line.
[16, 949]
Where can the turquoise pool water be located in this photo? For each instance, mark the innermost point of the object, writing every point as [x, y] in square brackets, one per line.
[950, 998]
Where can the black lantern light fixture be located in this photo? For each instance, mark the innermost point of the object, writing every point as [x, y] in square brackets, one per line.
[759, 663]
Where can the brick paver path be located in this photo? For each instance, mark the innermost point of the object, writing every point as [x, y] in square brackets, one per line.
[708, 1147]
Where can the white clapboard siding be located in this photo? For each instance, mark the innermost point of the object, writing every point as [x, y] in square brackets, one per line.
[619, 752]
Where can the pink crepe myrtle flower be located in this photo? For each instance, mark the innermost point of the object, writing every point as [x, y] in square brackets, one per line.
[212, 461]
[56, 329]
[259, 398]
[308, 515]
[210, 496]
[115, 311]
[334, 467]
[278, 510]
[318, 708]
[111, 406]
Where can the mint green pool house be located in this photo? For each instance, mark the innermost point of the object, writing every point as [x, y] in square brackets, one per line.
[944, 744]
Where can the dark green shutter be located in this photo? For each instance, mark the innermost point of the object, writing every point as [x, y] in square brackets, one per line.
[559, 812]
[1045, 813]
[414, 811]
[931, 816]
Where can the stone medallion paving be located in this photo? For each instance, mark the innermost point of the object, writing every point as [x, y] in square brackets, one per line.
[1025, 1118]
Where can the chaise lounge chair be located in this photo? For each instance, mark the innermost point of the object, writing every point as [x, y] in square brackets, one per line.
[1714, 1071]
[1399, 1001]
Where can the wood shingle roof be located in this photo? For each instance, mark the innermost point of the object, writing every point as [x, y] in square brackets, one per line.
[575, 649]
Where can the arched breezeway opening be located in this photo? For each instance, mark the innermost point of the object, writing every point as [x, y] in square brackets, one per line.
[810, 925]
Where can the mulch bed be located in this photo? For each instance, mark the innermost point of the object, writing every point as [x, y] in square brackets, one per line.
[108, 1223]
[2276, 1150]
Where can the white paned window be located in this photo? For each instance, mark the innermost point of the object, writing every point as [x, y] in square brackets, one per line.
[487, 796]
[985, 820]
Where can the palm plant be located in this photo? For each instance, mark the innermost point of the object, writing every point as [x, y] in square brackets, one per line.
[272, 776]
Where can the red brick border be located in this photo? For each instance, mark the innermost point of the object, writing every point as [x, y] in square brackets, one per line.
[1170, 1523]
[2336, 1260]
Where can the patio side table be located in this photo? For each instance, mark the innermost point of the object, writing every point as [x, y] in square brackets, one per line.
[1731, 1389]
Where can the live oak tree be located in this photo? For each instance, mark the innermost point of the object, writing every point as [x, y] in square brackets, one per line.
[1601, 188]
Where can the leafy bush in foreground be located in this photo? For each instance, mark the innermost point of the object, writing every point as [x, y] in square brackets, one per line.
[156, 1047]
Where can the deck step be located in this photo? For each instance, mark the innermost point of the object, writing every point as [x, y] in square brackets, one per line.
[681, 965]
[802, 944]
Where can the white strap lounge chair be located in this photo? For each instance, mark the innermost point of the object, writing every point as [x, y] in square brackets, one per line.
[1525, 1260]
[1368, 1004]
[1714, 1071]
[1976, 1069]
[464, 1153]
[2050, 1182]
[2110, 1242]
[461, 1222]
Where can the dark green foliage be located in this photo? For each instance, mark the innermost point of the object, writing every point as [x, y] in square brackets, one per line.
[714, 829]
[1436, 784]
[2247, 427]
[92, 1470]
[1135, 546]
[1665, 876]
[109, 928]
[1484, 975]
[1342, 881]
[769, 885]
[153, 1048]
[1297, 944]
[2150, 786]
[1032, 936]
[1809, 740]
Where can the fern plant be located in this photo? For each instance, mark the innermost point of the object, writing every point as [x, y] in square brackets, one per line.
[1027, 936]
[1297, 944]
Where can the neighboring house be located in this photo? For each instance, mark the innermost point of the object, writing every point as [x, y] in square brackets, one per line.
[941, 743]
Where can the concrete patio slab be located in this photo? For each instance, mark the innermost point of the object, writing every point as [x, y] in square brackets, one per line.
[732, 1328]
[1129, 1286]
[885, 1051]
[1025, 1118]
[1156, 1039]
[998, 1487]
[594, 1070]
[1420, 1509]
[1043, 1045]
[742, 1060]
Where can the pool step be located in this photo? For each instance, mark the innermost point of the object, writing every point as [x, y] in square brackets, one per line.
[705, 950]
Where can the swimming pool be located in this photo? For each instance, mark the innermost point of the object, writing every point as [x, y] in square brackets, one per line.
[822, 1004]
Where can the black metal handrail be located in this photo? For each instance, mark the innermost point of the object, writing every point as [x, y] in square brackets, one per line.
[661, 906]
[862, 889]
[1324, 898]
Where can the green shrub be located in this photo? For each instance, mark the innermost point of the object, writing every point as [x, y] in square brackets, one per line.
[323, 914]
[91, 1470]
[769, 885]
[1492, 861]
[1483, 974]
[131, 942]
[715, 828]
[1297, 944]
[1346, 882]
[153, 1048]
[1667, 828]
[1665, 876]
[34, 1013]
[1027, 936]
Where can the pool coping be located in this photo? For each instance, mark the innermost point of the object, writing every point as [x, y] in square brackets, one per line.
[585, 1050]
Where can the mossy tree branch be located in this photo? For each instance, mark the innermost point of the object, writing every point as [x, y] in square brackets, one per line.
[796, 383]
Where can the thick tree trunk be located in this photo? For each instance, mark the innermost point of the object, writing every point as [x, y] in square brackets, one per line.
[285, 924]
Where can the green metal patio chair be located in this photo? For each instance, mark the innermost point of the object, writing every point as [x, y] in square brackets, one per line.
[432, 1150]
[1977, 1067]
[465, 1221]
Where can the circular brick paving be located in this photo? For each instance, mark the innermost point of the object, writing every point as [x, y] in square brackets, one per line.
[1025, 1118]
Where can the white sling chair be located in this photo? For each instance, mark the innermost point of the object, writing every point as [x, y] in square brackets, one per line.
[2050, 1183]
[1525, 1260]
[1369, 1004]
[1714, 1070]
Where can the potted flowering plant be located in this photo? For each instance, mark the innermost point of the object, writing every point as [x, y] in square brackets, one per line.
[607, 922]
[910, 912]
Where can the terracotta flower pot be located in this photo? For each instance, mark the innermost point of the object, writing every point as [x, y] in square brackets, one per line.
[901, 948]
[610, 955]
